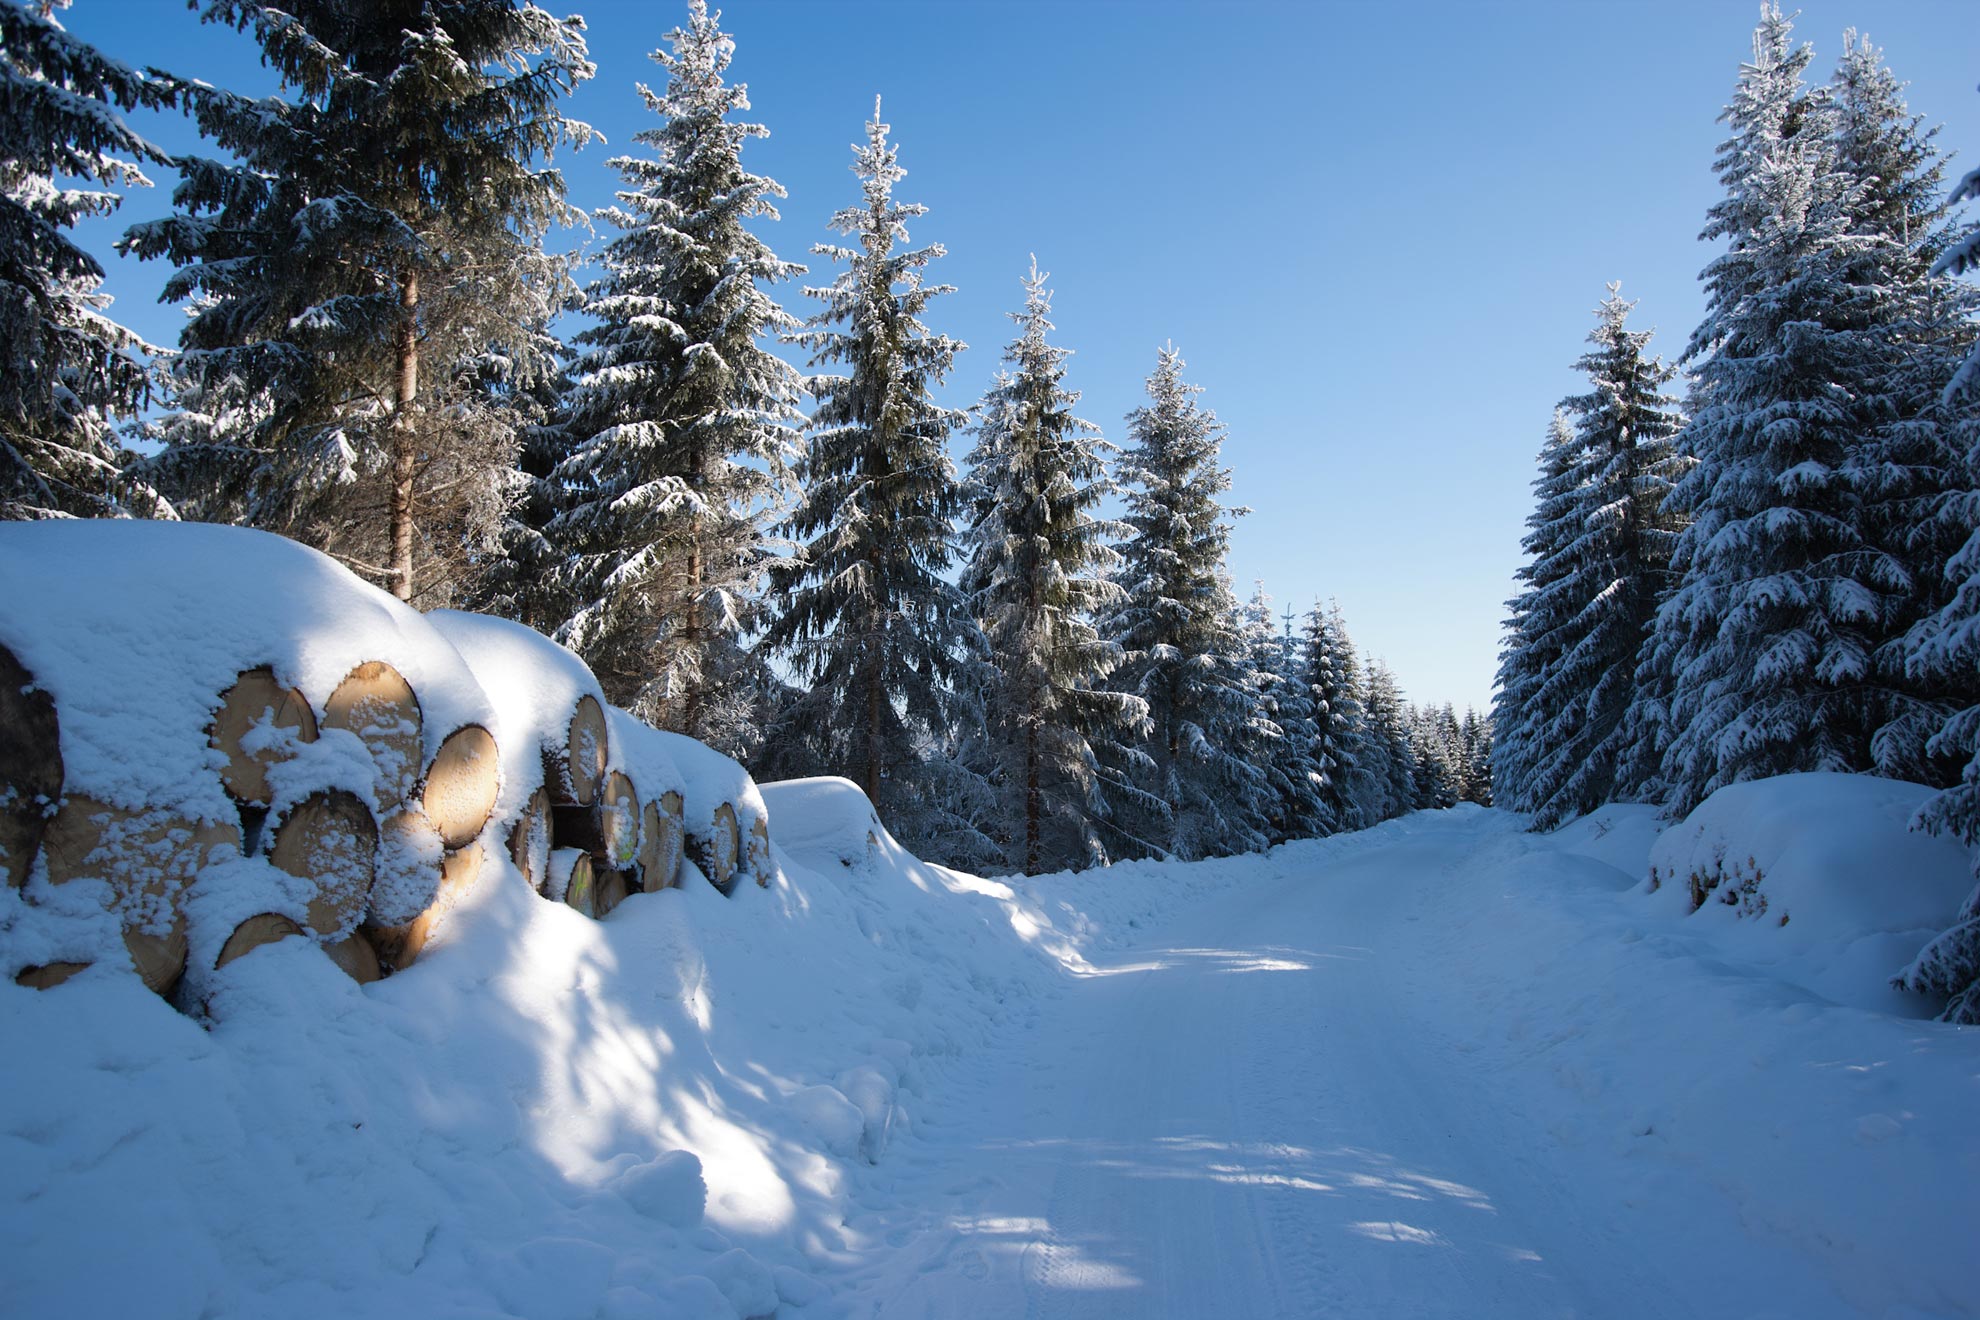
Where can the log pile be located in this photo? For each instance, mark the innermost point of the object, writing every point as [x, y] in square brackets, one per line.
[591, 833]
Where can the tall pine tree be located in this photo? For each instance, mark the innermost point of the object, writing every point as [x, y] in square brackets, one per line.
[681, 421]
[371, 245]
[1036, 578]
[65, 367]
[1340, 733]
[1609, 574]
[883, 643]
[1175, 624]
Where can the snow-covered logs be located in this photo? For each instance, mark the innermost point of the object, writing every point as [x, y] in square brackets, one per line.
[30, 767]
[148, 859]
[258, 724]
[574, 771]
[375, 702]
[461, 785]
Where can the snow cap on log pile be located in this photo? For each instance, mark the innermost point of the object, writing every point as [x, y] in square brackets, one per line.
[536, 684]
[137, 628]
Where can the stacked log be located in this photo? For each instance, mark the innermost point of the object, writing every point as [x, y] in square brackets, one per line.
[30, 767]
[529, 840]
[256, 699]
[397, 946]
[254, 933]
[719, 852]
[375, 702]
[662, 840]
[758, 850]
[149, 859]
[461, 785]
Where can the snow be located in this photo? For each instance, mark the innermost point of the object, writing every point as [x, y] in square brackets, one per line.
[1441, 1067]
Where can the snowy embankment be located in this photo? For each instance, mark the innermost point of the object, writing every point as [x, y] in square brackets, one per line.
[1441, 1067]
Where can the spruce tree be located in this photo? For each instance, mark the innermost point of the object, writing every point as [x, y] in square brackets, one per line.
[1278, 740]
[681, 422]
[1175, 624]
[1532, 630]
[882, 642]
[65, 367]
[1945, 649]
[1036, 579]
[1610, 571]
[1392, 754]
[369, 243]
[1771, 641]
[1332, 680]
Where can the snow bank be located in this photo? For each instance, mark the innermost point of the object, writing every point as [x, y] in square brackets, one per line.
[1817, 877]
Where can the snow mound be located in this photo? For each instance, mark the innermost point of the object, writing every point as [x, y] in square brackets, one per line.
[1819, 877]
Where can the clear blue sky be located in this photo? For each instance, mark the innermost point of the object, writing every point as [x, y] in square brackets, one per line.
[1376, 231]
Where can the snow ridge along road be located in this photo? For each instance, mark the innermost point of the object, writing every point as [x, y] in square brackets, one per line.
[1435, 1070]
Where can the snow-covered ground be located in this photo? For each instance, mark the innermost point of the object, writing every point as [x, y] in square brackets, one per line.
[1443, 1067]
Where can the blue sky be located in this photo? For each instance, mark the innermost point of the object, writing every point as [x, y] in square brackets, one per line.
[1376, 231]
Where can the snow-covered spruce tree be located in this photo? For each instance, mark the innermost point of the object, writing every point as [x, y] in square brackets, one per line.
[1946, 649]
[1175, 624]
[1391, 755]
[682, 423]
[1035, 580]
[1610, 571]
[1437, 756]
[884, 645]
[1918, 502]
[1278, 741]
[1532, 641]
[370, 241]
[1331, 676]
[1771, 641]
[64, 365]
[1476, 736]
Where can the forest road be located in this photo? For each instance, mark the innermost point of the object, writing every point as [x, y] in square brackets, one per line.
[1248, 1115]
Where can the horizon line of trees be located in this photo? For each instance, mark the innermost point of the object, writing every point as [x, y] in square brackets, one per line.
[1780, 570]
[369, 366]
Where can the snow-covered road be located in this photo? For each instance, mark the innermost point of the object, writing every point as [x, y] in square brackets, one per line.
[1288, 1103]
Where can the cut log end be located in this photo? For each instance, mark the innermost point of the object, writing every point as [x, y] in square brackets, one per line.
[148, 859]
[608, 891]
[398, 947]
[330, 839]
[48, 975]
[570, 878]
[461, 785]
[257, 699]
[30, 767]
[529, 839]
[619, 819]
[721, 850]
[660, 840]
[375, 702]
[254, 933]
[759, 851]
[586, 746]
[356, 956]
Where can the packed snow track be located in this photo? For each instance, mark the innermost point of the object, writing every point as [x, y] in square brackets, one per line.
[1295, 1101]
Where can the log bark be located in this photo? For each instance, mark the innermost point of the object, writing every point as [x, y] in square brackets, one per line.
[30, 767]
[377, 704]
[149, 859]
[529, 840]
[48, 975]
[398, 947]
[461, 785]
[660, 843]
[330, 839]
[254, 933]
[254, 698]
[574, 772]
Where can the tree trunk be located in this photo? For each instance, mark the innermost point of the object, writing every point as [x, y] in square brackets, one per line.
[405, 453]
